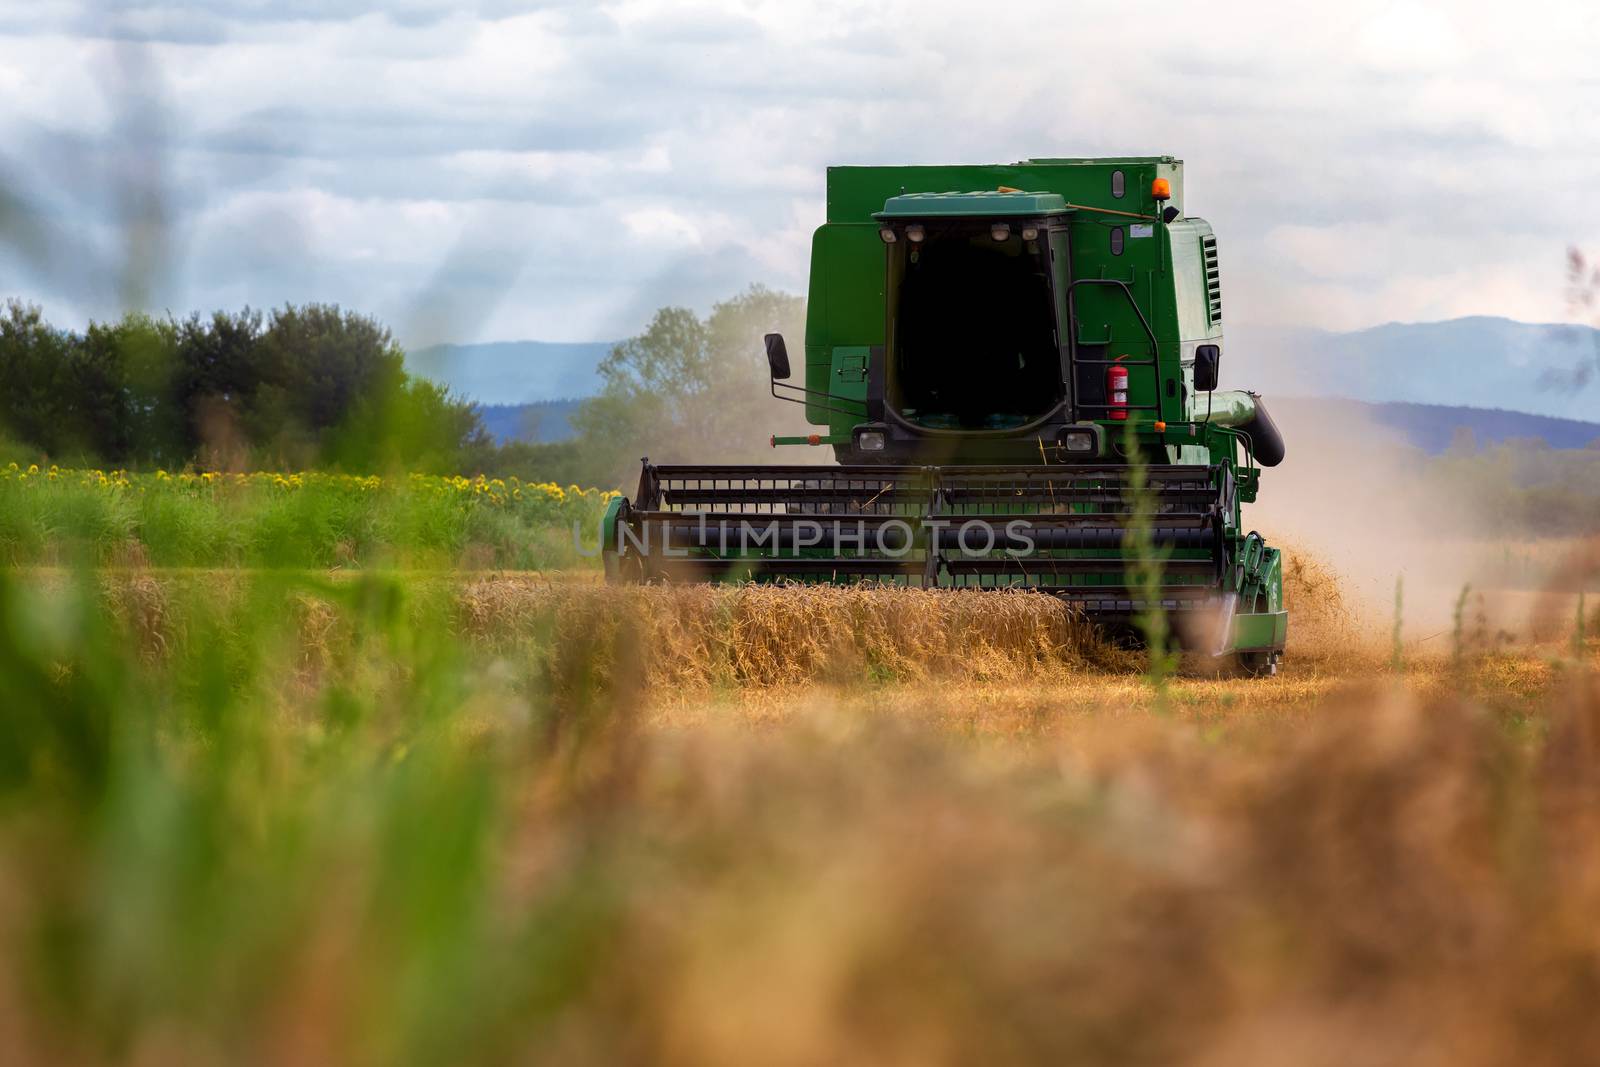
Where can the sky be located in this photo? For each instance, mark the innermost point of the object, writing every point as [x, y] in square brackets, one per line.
[557, 170]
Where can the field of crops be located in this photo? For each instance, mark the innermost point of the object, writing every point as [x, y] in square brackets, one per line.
[331, 813]
[211, 519]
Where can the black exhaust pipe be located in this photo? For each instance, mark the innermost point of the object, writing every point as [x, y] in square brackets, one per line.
[1266, 443]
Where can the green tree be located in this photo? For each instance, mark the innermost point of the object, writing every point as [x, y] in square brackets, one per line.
[305, 386]
[312, 366]
[691, 389]
[410, 424]
[33, 361]
[100, 395]
[214, 384]
[119, 393]
[563, 462]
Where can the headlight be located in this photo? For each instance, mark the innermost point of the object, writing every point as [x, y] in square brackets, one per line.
[915, 233]
[888, 235]
[1000, 231]
[870, 441]
[1082, 441]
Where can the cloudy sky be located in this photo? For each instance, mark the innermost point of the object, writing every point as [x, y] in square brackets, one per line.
[556, 170]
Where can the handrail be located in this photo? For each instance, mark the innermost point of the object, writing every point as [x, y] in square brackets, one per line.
[1150, 334]
[1122, 286]
[809, 393]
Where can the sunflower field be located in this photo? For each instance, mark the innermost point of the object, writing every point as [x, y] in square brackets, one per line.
[54, 515]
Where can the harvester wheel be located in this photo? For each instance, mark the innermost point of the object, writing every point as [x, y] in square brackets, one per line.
[623, 570]
[1256, 664]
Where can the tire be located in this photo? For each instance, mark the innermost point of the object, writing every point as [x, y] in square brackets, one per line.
[622, 570]
[1259, 664]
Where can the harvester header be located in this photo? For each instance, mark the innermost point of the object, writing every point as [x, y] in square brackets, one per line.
[990, 352]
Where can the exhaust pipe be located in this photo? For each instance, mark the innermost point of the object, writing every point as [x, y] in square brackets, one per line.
[1247, 413]
[1266, 442]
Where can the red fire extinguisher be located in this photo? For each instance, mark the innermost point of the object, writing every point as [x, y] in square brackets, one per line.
[1117, 391]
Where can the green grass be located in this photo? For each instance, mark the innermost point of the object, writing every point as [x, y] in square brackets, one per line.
[211, 827]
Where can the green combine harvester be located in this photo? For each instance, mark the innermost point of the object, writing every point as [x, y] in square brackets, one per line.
[999, 356]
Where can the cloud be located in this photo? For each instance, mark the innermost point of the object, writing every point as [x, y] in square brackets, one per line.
[558, 169]
[206, 21]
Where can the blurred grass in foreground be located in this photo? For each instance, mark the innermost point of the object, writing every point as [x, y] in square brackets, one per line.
[274, 819]
[310, 519]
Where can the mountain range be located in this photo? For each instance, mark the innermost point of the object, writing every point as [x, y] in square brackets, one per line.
[1475, 362]
[1498, 378]
[1433, 427]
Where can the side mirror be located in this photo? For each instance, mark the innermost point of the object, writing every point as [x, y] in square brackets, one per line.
[777, 356]
[1207, 359]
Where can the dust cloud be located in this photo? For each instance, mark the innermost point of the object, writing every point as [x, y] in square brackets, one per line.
[1358, 498]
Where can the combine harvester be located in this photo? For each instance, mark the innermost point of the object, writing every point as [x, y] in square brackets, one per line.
[993, 369]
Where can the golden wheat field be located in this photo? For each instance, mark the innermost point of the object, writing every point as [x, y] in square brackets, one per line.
[747, 650]
[506, 818]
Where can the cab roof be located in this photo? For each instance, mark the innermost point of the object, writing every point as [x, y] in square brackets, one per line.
[856, 195]
[979, 204]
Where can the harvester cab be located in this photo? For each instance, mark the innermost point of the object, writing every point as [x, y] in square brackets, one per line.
[1018, 380]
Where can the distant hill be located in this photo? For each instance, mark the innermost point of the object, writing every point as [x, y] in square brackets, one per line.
[1473, 362]
[1428, 378]
[514, 372]
[1434, 427]
[544, 421]
[1430, 427]
[1476, 362]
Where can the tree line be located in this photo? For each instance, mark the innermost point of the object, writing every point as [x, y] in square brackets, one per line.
[317, 386]
[297, 387]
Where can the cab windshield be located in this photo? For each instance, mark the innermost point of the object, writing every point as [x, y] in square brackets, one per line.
[973, 332]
